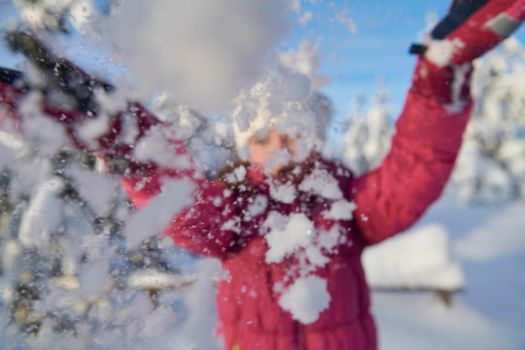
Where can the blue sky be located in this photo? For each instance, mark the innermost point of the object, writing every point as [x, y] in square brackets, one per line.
[355, 62]
[377, 52]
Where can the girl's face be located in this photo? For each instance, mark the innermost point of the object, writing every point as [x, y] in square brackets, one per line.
[265, 150]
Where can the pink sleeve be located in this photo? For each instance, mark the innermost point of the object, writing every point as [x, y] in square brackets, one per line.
[424, 149]
[107, 145]
[198, 228]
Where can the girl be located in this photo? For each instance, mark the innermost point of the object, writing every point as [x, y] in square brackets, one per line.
[290, 233]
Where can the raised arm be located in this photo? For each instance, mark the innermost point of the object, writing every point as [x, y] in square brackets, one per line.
[430, 129]
[200, 228]
[197, 227]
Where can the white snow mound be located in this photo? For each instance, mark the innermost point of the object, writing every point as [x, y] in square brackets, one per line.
[419, 259]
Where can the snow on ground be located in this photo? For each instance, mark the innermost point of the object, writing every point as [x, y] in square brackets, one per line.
[421, 322]
[489, 242]
[420, 259]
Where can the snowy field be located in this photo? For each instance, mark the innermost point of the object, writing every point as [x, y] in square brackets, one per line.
[490, 314]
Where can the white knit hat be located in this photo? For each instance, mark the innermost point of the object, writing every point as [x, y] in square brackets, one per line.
[282, 101]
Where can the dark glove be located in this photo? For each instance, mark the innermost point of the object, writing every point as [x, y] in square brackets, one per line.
[471, 28]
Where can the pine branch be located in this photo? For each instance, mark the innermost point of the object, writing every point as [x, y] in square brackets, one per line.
[60, 72]
[9, 76]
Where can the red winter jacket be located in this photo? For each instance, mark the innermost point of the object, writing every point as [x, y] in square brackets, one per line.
[389, 199]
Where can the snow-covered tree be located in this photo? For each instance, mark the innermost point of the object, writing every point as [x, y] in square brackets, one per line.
[491, 166]
[67, 276]
[368, 133]
[58, 15]
[72, 274]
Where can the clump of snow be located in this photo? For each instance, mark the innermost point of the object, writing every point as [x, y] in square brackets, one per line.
[159, 322]
[151, 219]
[231, 225]
[340, 210]
[305, 60]
[205, 50]
[42, 133]
[22, 161]
[295, 237]
[44, 215]
[111, 103]
[283, 240]
[285, 193]
[129, 130]
[460, 79]
[11, 145]
[94, 279]
[237, 175]
[97, 189]
[322, 183]
[156, 147]
[441, 52]
[306, 298]
[258, 206]
[331, 238]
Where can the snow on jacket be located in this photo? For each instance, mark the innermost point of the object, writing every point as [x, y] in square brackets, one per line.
[222, 223]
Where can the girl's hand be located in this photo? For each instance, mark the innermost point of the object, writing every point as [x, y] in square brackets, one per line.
[472, 28]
